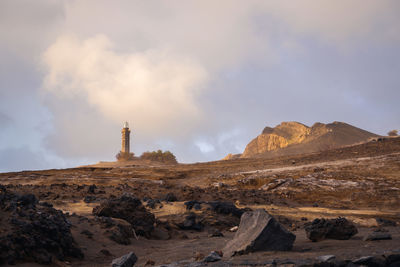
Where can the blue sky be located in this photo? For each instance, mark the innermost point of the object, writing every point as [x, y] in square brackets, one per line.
[199, 78]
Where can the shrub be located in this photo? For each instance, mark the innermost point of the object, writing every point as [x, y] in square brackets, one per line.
[393, 133]
[121, 156]
[160, 156]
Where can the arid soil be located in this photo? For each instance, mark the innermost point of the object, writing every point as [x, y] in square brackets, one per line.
[361, 183]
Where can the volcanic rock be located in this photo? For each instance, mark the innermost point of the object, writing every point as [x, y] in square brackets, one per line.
[151, 203]
[128, 260]
[190, 223]
[213, 257]
[130, 209]
[89, 199]
[170, 197]
[226, 208]
[259, 231]
[190, 204]
[118, 230]
[33, 232]
[370, 261]
[378, 236]
[339, 228]
[385, 222]
[91, 189]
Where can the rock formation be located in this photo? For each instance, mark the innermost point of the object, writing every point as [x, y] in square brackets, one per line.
[294, 138]
[339, 228]
[259, 231]
[129, 208]
[33, 231]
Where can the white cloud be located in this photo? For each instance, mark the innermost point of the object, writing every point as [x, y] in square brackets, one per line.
[155, 90]
[204, 146]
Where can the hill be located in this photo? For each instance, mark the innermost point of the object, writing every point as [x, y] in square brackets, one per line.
[290, 138]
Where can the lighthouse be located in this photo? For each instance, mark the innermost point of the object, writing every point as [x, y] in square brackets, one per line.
[125, 138]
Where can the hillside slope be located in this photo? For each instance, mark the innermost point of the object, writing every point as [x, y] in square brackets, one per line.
[289, 138]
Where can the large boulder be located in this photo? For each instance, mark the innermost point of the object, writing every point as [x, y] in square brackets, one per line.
[130, 209]
[339, 228]
[33, 231]
[259, 231]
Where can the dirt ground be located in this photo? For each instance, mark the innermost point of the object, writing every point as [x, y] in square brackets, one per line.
[361, 183]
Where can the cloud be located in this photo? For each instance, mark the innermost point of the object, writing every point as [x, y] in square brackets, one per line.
[204, 146]
[155, 90]
[4, 120]
[339, 22]
[22, 158]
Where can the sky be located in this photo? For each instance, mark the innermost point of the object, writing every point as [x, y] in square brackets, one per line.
[198, 78]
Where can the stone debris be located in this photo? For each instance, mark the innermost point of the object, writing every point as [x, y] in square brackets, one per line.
[129, 208]
[325, 258]
[385, 222]
[259, 231]
[378, 236]
[127, 260]
[170, 197]
[213, 257]
[215, 233]
[339, 228]
[33, 231]
[370, 261]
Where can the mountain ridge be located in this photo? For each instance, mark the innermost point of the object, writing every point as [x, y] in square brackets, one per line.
[292, 137]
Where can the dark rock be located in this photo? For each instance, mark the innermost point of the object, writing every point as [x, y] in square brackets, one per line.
[190, 223]
[212, 257]
[46, 204]
[226, 208]
[120, 232]
[127, 260]
[89, 199]
[338, 228]
[393, 260]
[28, 200]
[385, 222]
[259, 231]
[197, 206]
[151, 203]
[325, 258]
[130, 209]
[190, 204]
[91, 189]
[377, 236]
[170, 197]
[33, 232]
[215, 233]
[371, 261]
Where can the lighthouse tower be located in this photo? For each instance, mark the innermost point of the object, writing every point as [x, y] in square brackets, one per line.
[125, 138]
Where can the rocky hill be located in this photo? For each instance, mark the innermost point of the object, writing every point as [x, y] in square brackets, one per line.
[289, 138]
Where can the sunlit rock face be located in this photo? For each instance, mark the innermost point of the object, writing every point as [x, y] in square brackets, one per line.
[294, 137]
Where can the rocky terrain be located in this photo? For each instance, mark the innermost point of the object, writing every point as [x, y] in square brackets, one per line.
[289, 138]
[336, 207]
